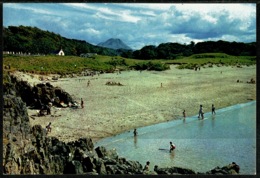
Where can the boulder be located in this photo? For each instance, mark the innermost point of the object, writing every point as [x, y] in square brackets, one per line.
[179, 170]
[101, 151]
[85, 144]
[88, 164]
[232, 168]
[73, 167]
[101, 169]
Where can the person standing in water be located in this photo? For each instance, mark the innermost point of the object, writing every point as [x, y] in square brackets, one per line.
[184, 113]
[201, 112]
[172, 146]
[135, 132]
[213, 109]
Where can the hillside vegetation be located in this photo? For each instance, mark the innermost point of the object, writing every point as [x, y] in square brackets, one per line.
[36, 41]
[209, 59]
[73, 64]
[176, 50]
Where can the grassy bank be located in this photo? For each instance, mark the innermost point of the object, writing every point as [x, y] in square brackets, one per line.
[73, 64]
[210, 59]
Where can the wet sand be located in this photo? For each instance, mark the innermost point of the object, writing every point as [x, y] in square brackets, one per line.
[146, 98]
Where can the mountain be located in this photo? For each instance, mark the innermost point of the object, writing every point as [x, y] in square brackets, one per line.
[114, 43]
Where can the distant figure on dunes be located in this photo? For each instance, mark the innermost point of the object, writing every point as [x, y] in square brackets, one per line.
[82, 103]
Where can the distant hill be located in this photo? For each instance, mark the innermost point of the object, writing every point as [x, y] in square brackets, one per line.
[114, 43]
[36, 41]
[33, 40]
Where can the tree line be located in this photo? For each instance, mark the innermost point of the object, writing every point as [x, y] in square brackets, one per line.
[36, 41]
[174, 50]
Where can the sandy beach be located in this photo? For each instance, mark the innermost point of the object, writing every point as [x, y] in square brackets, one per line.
[146, 98]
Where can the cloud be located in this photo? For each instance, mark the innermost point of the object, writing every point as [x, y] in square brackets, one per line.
[138, 24]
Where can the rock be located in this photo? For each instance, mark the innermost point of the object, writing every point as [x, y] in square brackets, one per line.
[85, 144]
[101, 151]
[101, 169]
[109, 161]
[78, 154]
[73, 167]
[112, 154]
[161, 170]
[181, 170]
[40, 94]
[111, 169]
[232, 168]
[88, 164]
[134, 167]
[91, 173]
[150, 173]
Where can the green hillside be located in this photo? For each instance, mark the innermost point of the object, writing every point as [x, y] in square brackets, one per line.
[36, 41]
[210, 59]
[74, 64]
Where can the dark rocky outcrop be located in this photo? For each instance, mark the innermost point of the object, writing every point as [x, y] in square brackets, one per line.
[28, 150]
[38, 95]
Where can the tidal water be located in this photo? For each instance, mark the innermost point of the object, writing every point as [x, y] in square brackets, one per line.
[201, 145]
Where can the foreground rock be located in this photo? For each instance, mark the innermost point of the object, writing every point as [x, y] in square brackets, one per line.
[39, 95]
[28, 150]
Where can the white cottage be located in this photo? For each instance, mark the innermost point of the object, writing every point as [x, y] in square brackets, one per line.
[61, 53]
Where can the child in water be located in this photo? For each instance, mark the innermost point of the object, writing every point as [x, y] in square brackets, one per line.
[172, 146]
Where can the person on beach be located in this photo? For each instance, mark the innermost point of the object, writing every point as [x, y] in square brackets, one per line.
[213, 109]
[88, 83]
[48, 108]
[48, 128]
[184, 113]
[135, 132]
[146, 167]
[82, 103]
[172, 146]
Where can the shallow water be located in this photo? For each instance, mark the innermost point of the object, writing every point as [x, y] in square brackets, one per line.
[201, 145]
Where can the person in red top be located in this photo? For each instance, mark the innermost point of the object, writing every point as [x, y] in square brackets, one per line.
[172, 146]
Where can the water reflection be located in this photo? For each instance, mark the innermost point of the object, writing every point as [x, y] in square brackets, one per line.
[213, 121]
[135, 141]
[172, 154]
[184, 120]
[201, 123]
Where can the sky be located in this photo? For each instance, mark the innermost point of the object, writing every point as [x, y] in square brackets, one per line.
[138, 24]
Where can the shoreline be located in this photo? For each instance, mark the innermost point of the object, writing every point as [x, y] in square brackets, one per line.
[187, 119]
[142, 101]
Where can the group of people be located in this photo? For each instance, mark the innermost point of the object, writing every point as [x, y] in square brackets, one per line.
[201, 113]
[172, 146]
